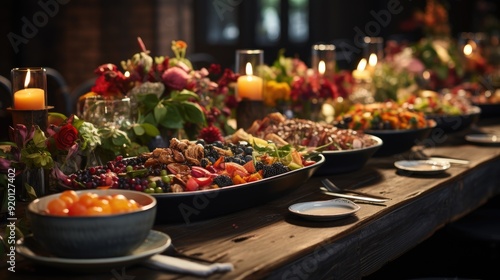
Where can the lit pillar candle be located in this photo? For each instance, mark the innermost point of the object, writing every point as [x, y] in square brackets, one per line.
[321, 68]
[29, 98]
[249, 86]
[372, 62]
[361, 73]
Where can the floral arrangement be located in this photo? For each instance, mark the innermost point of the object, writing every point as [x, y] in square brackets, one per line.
[169, 95]
[297, 90]
[66, 146]
[34, 148]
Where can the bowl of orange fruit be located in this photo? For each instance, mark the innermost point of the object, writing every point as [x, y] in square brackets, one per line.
[91, 224]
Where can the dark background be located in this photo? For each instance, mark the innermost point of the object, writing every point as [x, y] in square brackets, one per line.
[81, 35]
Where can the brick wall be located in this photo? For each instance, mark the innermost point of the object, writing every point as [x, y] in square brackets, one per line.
[84, 34]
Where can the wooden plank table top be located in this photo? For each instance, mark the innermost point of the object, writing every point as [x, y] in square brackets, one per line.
[269, 242]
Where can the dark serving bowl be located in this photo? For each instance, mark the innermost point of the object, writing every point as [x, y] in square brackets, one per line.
[398, 141]
[348, 160]
[89, 237]
[489, 109]
[450, 124]
[187, 207]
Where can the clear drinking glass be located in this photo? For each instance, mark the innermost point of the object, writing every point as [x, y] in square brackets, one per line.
[105, 111]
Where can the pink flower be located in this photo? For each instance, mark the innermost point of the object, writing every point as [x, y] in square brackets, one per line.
[175, 78]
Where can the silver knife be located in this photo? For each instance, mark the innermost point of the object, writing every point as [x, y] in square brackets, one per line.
[357, 197]
[450, 160]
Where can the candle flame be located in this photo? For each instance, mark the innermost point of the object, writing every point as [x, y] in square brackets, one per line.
[372, 61]
[468, 49]
[28, 79]
[126, 74]
[248, 69]
[321, 67]
[362, 65]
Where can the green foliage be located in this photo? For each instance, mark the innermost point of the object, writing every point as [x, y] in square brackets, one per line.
[172, 112]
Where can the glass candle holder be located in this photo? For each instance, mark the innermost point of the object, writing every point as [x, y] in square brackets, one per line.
[29, 88]
[373, 50]
[473, 44]
[254, 57]
[249, 87]
[323, 59]
[249, 84]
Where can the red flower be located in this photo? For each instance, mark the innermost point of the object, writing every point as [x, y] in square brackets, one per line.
[66, 137]
[210, 134]
[110, 81]
[214, 68]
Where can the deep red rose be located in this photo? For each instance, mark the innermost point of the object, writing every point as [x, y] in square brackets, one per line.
[66, 137]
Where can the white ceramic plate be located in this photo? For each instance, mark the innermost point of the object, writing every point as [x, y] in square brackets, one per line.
[483, 138]
[324, 210]
[422, 166]
[155, 243]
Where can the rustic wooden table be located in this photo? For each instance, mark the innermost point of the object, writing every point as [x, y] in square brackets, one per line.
[269, 242]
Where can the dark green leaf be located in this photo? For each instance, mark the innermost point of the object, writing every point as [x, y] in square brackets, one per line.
[160, 113]
[193, 113]
[183, 95]
[173, 119]
[149, 118]
[149, 101]
[150, 129]
[138, 130]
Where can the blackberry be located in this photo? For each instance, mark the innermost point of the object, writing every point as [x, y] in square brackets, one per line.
[223, 181]
[274, 169]
[280, 167]
[259, 165]
[269, 171]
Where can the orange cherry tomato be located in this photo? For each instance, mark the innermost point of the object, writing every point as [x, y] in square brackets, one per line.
[69, 194]
[87, 199]
[90, 204]
[77, 209]
[57, 207]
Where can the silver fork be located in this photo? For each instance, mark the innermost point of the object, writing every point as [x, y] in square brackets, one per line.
[419, 152]
[332, 189]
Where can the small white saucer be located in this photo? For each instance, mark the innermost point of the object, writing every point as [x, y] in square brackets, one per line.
[155, 243]
[325, 210]
[483, 138]
[423, 166]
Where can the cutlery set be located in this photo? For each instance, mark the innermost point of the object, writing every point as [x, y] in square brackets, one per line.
[329, 188]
